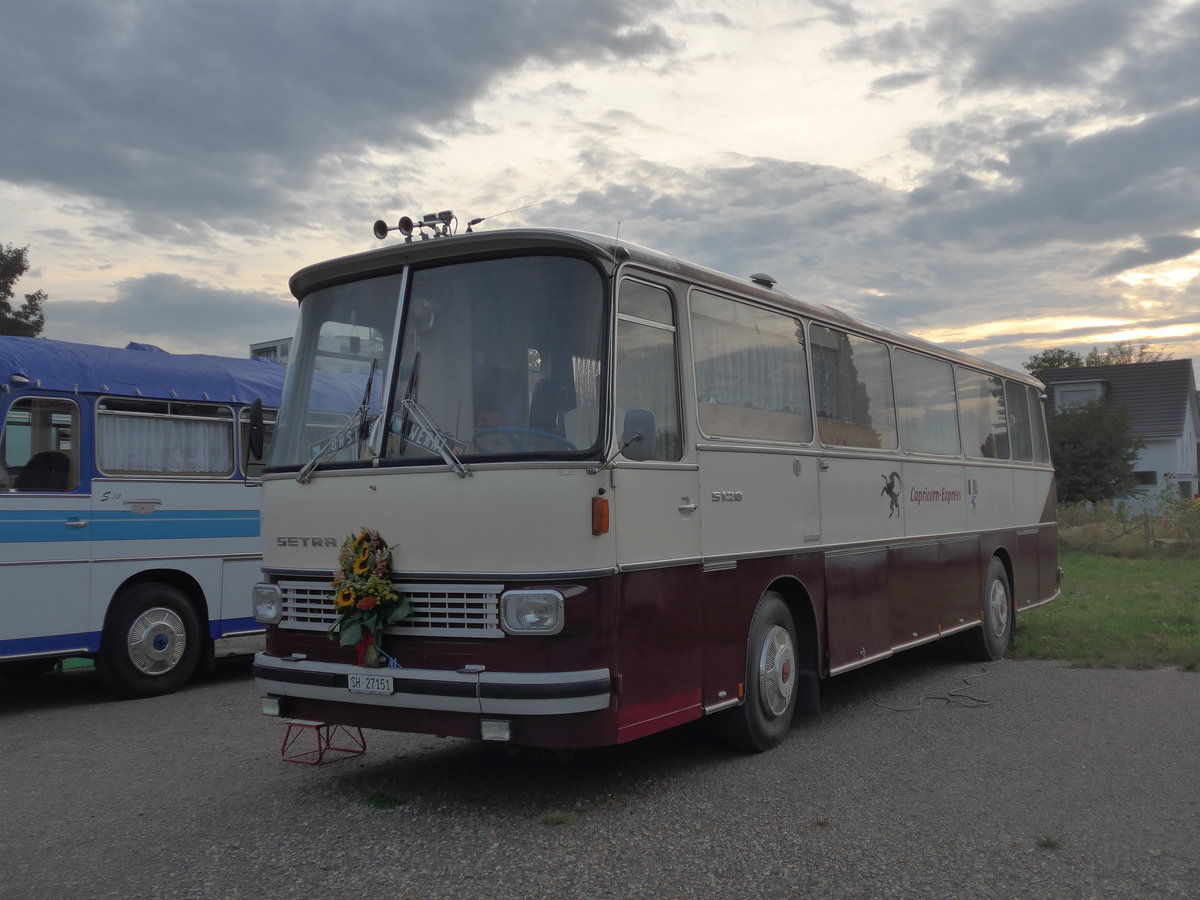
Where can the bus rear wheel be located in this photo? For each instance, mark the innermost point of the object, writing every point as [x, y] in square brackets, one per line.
[763, 718]
[151, 642]
[991, 639]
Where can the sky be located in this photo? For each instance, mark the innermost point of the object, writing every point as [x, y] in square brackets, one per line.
[1000, 176]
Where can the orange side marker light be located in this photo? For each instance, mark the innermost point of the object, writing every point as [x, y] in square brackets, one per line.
[599, 515]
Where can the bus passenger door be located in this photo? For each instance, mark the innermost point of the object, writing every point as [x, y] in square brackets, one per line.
[45, 533]
[655, 520]
[862, 490]
[861, 509]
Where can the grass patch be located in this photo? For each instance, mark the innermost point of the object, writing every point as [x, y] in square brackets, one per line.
[558, 817]
[1118, 612]
[1046, 842]
[378, 799]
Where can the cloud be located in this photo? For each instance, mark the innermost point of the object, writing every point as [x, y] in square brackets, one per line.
[898, 81]
[1163, 68]
[979, 46]
[1154, 250]
[1017, 150]
[1056, 45]
[838, 12]
[177, 314]
[1050, 185]
[224, 111]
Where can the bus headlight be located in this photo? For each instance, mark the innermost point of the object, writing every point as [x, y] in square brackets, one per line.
[531, 612]
[268, 603]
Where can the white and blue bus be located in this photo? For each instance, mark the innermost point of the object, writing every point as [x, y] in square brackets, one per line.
[129, 531]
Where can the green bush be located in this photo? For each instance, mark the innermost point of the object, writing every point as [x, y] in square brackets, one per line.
[1169, 527]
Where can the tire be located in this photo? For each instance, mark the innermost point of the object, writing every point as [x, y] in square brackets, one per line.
[151, 642]
[991, 639]
[763, 718]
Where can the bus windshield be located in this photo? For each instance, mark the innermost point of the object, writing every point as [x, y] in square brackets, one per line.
[498, 358]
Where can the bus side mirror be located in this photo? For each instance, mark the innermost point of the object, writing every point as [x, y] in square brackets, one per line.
[255, 437]
[637, 435]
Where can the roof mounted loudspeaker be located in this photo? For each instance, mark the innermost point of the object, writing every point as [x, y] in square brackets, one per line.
[440, 224]
[765, 280]
[404, 226]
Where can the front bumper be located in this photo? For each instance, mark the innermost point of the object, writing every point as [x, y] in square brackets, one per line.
[469, 691]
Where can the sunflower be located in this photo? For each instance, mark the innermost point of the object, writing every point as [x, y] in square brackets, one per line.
[362, 564]
[345, 597]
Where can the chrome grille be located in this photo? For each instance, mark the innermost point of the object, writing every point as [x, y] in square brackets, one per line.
[438, 610]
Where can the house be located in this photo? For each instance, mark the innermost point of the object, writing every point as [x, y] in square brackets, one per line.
[278, 349]
[1163, 411]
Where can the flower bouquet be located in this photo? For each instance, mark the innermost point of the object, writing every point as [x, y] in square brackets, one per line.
[364, 598]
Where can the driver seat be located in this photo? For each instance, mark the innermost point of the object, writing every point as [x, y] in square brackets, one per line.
[45, 471]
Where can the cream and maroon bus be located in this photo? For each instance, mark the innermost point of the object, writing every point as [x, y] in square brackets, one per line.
[624, 492]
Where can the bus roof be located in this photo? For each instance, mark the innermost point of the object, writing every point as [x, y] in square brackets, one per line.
[138, 370]
[394, 255]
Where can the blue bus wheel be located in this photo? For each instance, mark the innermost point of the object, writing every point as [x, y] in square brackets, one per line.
[151, 642]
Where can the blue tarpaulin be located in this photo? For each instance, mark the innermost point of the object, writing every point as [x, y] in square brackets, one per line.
[137, 370]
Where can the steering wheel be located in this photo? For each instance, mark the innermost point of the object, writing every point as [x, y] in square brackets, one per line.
[517, 440]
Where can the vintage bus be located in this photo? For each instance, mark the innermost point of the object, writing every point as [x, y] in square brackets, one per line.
[625, 492]
[128, 529]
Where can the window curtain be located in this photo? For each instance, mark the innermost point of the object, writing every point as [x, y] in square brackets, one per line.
[136, 444]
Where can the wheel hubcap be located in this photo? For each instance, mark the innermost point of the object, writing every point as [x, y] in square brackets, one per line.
[998, 608]
[157, 640]
[776, 671]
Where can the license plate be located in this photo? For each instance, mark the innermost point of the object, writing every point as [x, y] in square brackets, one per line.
[369, 684]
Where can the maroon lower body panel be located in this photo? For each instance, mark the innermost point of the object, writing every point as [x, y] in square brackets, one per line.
[647, 650]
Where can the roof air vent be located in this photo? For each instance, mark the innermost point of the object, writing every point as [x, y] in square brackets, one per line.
[765, 280]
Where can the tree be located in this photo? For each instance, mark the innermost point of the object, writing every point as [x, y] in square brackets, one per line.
[1119, 354]
[26, 320]
[1123, 353]
[1056, 358]
[1093, 452]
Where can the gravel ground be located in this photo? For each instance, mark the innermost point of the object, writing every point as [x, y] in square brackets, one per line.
[924, 777]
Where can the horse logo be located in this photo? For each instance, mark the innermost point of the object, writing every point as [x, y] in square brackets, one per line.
[891, 487]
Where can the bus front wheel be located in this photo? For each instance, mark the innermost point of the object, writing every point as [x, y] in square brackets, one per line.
[151, 642]
[991, 639]
[763, 718]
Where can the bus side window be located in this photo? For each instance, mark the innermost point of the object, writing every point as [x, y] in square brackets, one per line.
[163, 437]
[982, 414]
[40, 445]
[852, 382]
[925, 404]
[647, 373]
[1037, 414]
[751, 371]
[1019, 425]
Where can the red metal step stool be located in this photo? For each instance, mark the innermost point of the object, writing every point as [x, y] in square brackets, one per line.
[315, 742]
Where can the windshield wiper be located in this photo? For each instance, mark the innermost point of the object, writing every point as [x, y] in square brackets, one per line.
[431, 434]
[409, 393]
[364, 408]
[351, 432]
